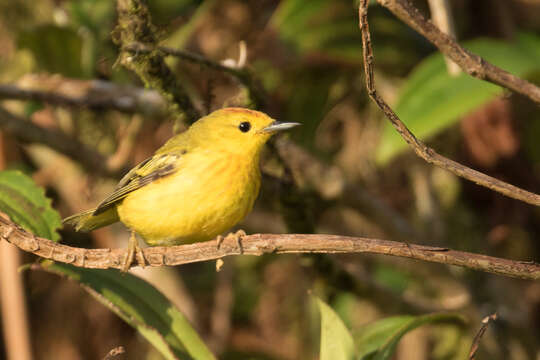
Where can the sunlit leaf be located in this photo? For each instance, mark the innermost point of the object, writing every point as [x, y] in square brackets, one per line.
[336, 340]
[27, 205]
[142, 306]
[378, 341]
[431, 100]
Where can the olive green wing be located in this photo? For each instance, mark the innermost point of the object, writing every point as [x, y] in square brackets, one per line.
[151, 169]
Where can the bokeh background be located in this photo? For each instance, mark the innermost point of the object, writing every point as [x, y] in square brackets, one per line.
[346, 172]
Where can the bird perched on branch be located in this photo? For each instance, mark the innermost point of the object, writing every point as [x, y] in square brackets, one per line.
[199, 184]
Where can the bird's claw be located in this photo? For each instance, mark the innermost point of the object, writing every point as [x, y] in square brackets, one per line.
[237, 236]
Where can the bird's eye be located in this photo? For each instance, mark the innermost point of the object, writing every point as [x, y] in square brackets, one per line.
[244, 126]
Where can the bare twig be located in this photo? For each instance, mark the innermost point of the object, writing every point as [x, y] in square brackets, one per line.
[259, 244]
[419, 147]
[476, 341]
[135, 25]
[32, 133]
[242, 74]
[471, 63]
[100, 95]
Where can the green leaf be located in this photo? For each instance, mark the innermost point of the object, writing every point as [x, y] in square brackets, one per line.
[142, 306]
[336, 340]
[378, 341]
[27, 205]
[431, 100]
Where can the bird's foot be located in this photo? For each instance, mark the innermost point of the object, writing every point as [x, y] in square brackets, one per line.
[134, 251]
[237, 236]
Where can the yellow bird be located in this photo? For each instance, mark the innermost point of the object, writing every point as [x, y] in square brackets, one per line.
[199, 184]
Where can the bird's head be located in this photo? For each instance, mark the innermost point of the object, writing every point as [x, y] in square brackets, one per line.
[236, 130]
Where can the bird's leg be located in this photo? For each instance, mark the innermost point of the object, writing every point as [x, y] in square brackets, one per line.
[133, 251]
[219, 241]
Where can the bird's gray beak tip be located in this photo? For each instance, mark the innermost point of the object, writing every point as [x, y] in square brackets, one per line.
[279, 126]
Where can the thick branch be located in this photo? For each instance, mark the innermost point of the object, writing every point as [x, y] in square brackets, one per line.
[99, 95]
[259, 244]
[471, 63]
[30, 132]
[423, 151]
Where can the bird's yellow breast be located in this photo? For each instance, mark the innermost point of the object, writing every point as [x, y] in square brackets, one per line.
[210, 193]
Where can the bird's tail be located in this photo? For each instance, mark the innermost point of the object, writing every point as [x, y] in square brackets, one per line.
[87, 221]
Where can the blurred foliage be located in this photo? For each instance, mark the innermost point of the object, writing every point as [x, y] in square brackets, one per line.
[307, 58]
[330, 28]
[57, 49]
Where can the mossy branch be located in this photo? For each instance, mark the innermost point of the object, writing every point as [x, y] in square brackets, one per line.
[135, 26]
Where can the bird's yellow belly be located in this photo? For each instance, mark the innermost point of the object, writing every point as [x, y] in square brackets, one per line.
[197, 203]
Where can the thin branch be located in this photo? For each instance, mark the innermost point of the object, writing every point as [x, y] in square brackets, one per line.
[259, 244]
[471, 63]
[135, 25]
[32, 133]
[476, 341]
[100, 95]
[423, 151]
[243, 75]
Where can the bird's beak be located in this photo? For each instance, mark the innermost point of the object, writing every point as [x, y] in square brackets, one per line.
[276, 126]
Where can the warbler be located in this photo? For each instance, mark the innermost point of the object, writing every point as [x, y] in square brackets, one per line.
[196, 186]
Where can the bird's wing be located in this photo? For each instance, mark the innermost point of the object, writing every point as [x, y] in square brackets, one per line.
[149, 170]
